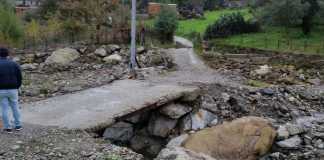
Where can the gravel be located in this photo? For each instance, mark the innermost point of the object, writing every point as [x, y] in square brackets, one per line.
[36, 142]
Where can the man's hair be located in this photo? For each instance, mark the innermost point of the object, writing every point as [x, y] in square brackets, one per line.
[4, 52]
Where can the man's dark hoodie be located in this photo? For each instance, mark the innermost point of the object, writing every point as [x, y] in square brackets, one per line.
[10, 72]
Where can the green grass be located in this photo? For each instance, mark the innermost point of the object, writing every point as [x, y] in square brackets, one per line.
[200, 25]
[277, 38]
[271, 38]
[255, 83]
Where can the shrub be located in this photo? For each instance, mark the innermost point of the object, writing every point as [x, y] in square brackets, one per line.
[73, 28]
[11, 31]
[231, 24]
[33, 31]
[197, 40]
[252, 25]
[166, 24]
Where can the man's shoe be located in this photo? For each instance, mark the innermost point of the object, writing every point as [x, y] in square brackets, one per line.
[18, 128]
[8, 131]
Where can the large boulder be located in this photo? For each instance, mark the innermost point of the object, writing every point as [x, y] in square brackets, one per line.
[120, 131]
[198, 120]
[291, 143]
[282, 133]
[153, 58]
[113, 59]
[63, 57]
[179, 153]
[111, 48]
[140, 50]
[138, 117]
[245, 138]
[161, 126]
[150, 145]
[175, 111]
[27, 58]
[263, 70]
[177, 141]
[29, 66]
[101, 52]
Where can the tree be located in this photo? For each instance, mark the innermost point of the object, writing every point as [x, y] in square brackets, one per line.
[290, 13]
[283, 12]
[310, 13]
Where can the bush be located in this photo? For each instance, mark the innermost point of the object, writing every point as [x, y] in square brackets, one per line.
[11, 31]
[231, 24]
[166, 24]
[252, 25]
[33, 31]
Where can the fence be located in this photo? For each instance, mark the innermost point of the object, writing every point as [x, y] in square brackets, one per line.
[287, 45]
[104, 36]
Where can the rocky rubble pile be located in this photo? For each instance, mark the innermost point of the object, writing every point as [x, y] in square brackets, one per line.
[300, 139]
[279, 103]
[72, 69]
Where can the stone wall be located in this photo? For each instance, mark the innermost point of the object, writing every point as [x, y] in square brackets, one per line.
[148, 132]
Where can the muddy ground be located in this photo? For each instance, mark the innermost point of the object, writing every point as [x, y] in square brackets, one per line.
[283, 68]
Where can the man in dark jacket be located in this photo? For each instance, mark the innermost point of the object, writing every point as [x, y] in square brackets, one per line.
[10, 82]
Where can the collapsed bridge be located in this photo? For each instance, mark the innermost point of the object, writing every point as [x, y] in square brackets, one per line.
[100, 107]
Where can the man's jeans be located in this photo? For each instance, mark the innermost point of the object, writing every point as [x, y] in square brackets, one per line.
[9, 99]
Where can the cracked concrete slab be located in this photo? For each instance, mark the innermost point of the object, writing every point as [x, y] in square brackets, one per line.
[99, 107]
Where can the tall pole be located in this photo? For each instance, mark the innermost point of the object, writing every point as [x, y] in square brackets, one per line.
[133, 36]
